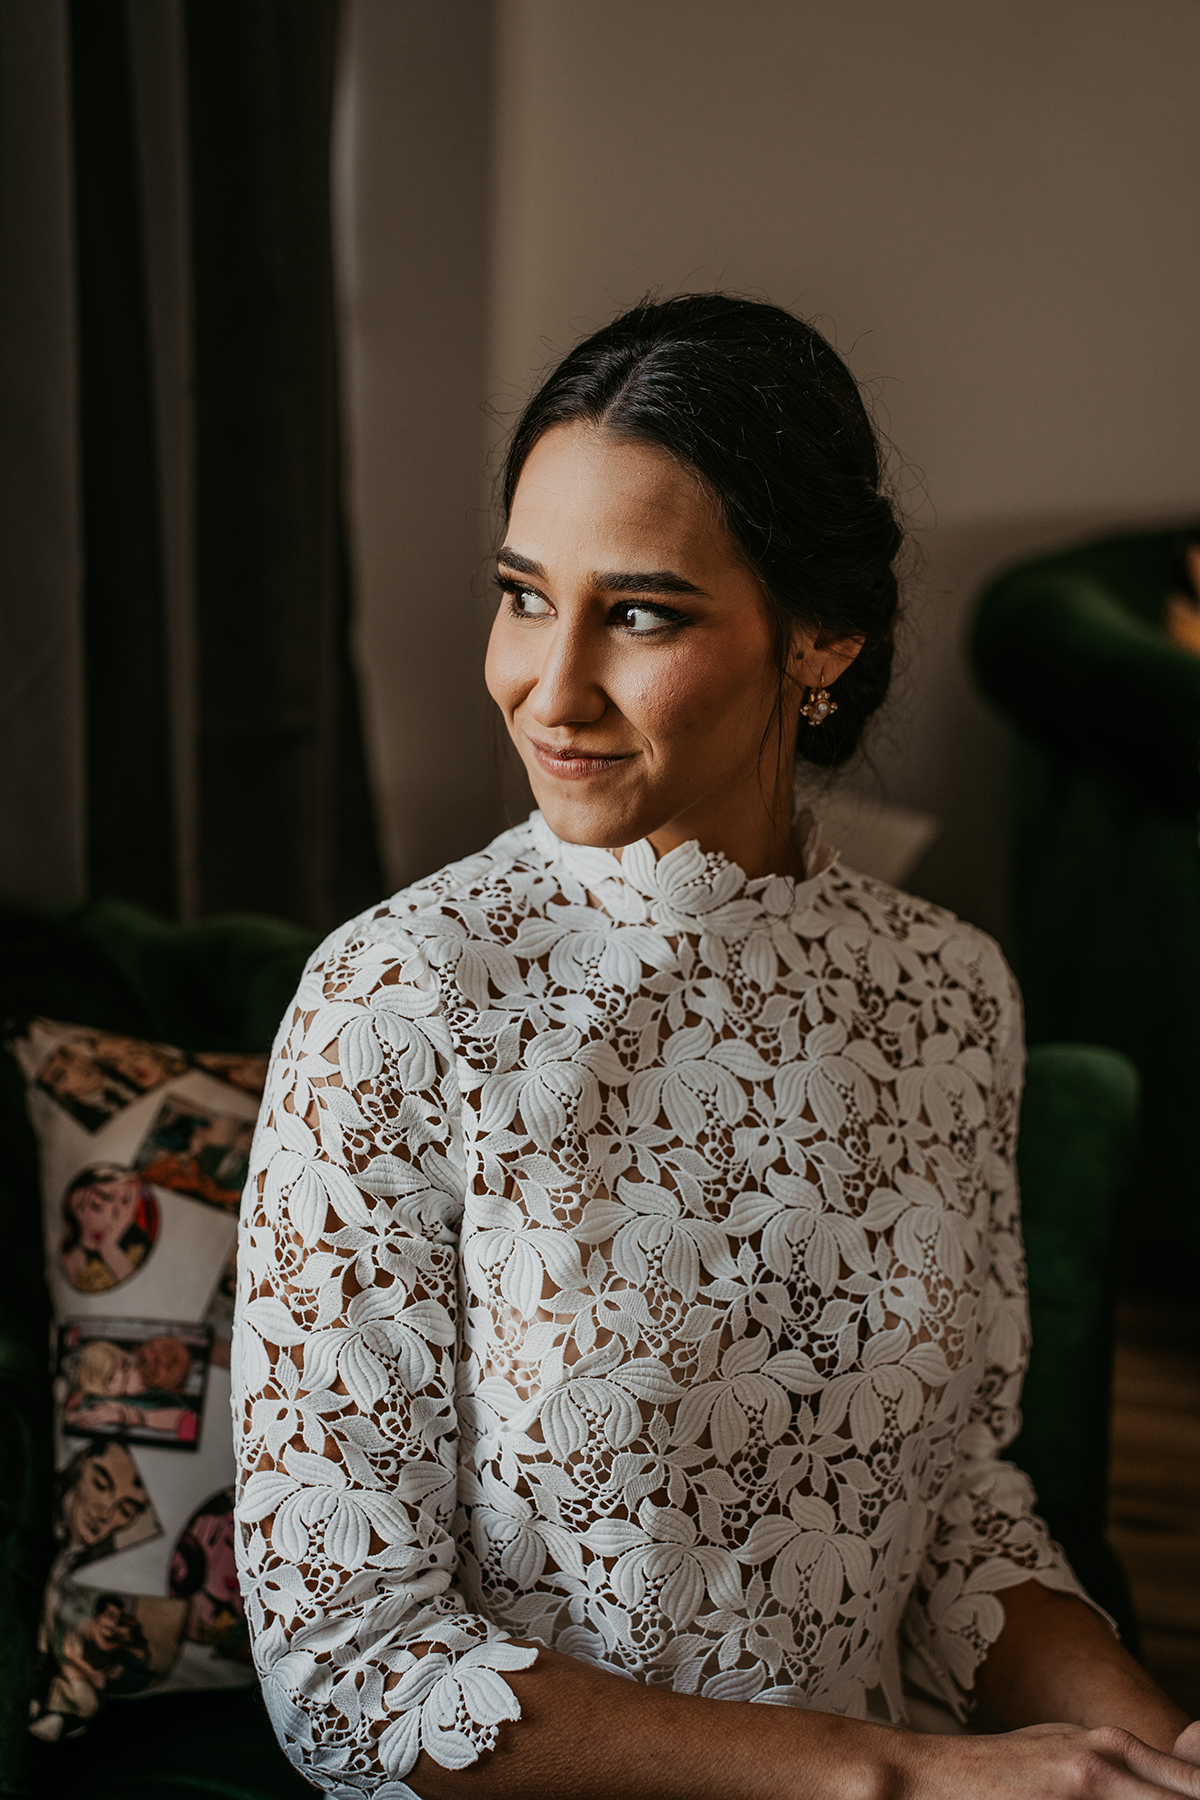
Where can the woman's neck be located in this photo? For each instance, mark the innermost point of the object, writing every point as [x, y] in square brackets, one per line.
[749, 829]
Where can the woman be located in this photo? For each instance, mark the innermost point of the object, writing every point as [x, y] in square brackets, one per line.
[110, 1222]
[204, 1573]
[633, 1271]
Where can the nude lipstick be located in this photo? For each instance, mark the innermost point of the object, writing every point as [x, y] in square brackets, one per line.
[571, 764]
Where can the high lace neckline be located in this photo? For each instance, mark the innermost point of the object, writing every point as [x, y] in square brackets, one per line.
[688, 889]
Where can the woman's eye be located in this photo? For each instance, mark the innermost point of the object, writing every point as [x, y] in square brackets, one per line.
[528, 604]
[641, 619]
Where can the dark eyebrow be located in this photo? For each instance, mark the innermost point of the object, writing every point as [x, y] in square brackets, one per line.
[524, 565]
[650, 581]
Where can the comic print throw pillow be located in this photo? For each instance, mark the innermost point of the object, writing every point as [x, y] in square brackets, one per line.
[143, 1156]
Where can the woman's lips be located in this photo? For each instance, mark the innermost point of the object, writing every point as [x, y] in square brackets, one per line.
[570, 764]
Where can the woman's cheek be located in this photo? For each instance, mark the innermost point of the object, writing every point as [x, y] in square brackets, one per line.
[693, 692]
[663, 693]
[505, 668]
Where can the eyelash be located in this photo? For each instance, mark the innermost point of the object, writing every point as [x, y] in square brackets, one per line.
[671, 620]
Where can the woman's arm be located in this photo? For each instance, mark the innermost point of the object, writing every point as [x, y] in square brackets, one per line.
[378, 1676]
[346, 1418]
[586, 1735]
[102, 1412]
[1056, 1665]
[1057, 1659]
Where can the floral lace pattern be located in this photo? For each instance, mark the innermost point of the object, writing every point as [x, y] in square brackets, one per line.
[630, 1264]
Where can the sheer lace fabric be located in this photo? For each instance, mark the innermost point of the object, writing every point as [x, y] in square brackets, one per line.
[630, 1264]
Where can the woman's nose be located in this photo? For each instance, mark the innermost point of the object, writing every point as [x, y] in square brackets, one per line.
[568, 690]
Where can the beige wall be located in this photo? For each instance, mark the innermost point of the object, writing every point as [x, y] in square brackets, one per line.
[990, 209]
[411, 181]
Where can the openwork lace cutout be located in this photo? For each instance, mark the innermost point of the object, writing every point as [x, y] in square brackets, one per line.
[639, 1278]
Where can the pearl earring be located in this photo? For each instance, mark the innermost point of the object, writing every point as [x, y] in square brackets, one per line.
[818, 705]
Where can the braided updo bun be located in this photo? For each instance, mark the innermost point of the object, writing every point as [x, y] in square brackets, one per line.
[769, 416]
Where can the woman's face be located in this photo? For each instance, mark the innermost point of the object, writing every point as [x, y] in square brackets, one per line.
[117, 1380]
[220, 1577]
[126, 1378]
[71, 1073]
[633, 658]
[104, 1212]
[139, 1063]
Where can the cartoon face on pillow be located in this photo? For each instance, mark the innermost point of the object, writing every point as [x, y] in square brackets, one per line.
[110, 1223]
[203, 1571]
[103, 1503]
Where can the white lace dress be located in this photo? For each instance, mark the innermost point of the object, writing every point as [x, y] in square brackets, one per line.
[630, 1263]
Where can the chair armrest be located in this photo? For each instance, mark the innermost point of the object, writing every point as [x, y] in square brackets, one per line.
[1077, 1143]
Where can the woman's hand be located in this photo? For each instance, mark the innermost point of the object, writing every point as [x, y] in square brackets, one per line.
[102, 1412]
[1051, 1762]
[108, 1248]
[1187, 1744]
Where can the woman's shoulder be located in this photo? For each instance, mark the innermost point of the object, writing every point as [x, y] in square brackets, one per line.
[930, 975]
[914, 928]
[510, 870]
[480, 897]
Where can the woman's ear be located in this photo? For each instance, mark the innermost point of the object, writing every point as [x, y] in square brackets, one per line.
[817, 661]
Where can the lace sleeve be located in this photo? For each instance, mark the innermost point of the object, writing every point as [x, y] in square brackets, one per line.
[344, 1404]
[986, 1536]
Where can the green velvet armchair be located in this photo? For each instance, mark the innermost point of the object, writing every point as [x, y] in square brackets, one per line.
[224, 985]
[1107, 712]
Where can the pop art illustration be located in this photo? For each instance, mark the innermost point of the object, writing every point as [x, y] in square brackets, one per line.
[102, 1505]
[99, 1645]
[110, 1225]
[95, 1075]
[204, 1573]
[135, 1379]
[197, 1151]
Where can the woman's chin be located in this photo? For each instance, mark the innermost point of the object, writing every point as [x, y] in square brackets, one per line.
[579, 821]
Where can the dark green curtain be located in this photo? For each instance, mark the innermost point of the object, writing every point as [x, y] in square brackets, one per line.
[282, 822]
[131, 850]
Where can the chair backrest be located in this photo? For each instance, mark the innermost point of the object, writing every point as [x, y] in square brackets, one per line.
[1107, 866]
[1071, 649]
